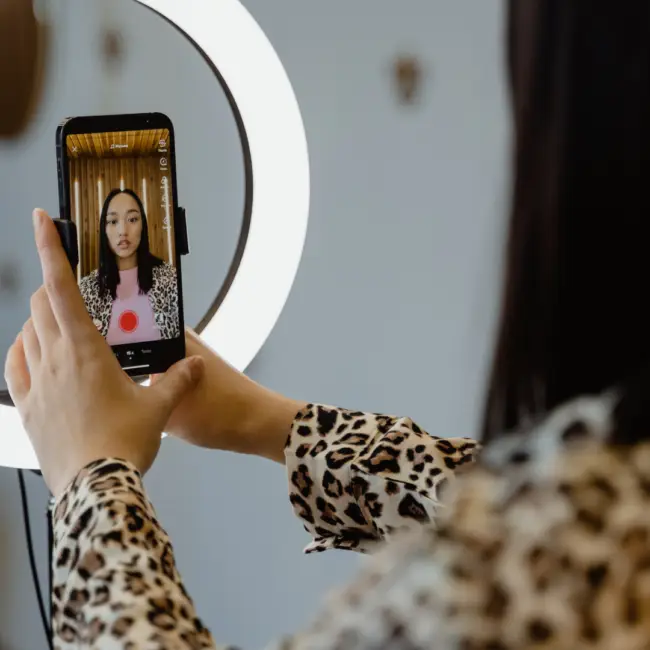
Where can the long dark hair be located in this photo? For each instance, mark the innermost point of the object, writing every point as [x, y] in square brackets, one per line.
[574, 319]
[109, 276]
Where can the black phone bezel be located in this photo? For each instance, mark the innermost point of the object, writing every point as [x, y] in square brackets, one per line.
[142, 359]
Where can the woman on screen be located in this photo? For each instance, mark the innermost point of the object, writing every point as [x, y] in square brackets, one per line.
[133, 296]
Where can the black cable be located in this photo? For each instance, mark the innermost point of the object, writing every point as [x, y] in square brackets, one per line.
[32, 559]
[50, 556]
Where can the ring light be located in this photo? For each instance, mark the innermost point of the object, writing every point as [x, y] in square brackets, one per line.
[252, 73]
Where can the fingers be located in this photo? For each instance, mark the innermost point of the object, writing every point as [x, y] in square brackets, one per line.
[58, 279]
[194, 347]
[31, 346]
[17, 372]
[170, 388]
[47, 329]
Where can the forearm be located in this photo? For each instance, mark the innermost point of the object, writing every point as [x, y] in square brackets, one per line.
[244, 417]
[115, 578]
[272, 426]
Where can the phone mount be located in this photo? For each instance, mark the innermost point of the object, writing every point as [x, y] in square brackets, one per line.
[183, 243]
[68, 233]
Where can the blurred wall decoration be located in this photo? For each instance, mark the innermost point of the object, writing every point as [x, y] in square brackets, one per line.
[9, 279]
[408, 77]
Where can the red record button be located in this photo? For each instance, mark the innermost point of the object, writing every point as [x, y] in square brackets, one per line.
[128, 321]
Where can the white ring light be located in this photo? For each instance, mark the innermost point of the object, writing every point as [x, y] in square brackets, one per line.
[239, 49]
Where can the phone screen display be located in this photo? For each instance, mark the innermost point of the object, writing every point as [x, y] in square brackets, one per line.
[121, 198]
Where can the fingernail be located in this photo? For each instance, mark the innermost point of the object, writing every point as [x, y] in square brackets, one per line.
[195, 367]
[37, 217]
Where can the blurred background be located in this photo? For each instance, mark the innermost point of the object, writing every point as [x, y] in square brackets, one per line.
[394, 304]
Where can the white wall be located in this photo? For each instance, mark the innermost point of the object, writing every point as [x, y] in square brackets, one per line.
[394, 302]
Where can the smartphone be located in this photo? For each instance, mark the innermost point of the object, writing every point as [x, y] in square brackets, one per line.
[117, 184]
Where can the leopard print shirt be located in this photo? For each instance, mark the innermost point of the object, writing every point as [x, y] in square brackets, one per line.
[163, 298]
[544, 543]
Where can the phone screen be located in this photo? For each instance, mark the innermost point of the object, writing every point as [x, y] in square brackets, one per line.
[121, 198]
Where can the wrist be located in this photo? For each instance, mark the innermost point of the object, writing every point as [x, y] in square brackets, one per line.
[229, 411]
[266, 426]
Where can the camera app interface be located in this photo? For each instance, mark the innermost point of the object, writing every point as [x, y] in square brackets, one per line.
[121, 201]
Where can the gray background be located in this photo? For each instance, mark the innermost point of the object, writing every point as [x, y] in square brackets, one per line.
[394, 304]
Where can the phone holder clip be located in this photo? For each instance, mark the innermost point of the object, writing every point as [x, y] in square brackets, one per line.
[181, 230]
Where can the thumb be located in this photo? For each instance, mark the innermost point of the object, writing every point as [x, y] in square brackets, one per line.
[170, 388]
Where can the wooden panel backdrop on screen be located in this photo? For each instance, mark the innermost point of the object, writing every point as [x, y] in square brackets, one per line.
[96, 169]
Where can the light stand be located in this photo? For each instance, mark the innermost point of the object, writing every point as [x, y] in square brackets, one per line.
[50, 553]
[46, 616]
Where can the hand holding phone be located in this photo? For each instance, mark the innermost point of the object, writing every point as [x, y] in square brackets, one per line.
[76, 403]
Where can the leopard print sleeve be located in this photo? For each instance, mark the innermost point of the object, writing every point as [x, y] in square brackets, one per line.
[356, 479]
[115, 582]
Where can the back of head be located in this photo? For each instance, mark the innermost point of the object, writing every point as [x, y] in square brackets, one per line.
[574, 319]
[21, 64]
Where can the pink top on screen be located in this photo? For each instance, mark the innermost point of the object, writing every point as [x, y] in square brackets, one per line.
[132, 319]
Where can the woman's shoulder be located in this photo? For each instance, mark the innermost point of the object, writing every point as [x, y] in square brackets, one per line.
[547, 504]
[584, 420]
[530, 470]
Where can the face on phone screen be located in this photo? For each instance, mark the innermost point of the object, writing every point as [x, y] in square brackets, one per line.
[121, 200]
